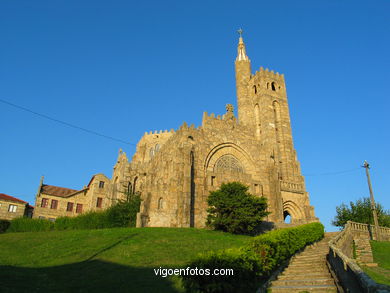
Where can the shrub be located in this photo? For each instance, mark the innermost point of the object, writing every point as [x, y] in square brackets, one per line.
[253, 262]
[30, 225]
[124, 214]
[89, 220]
[245, 266]
[4, 224]
[233, 209]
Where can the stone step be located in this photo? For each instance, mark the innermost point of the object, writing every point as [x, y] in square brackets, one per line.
[306, 275]
[311, 256]
[312, 288]
[309, 260]
[298, 270]
[304, 282]
[313, 253]
[316, 251]
[307, 267]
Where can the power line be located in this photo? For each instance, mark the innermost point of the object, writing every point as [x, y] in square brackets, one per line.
[65, 123]
[128, 143]
[334, 173]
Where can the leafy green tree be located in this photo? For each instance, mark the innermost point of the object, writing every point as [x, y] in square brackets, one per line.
[360, 211]
[233, 209]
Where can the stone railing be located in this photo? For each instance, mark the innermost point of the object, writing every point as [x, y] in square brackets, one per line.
[350, 275]
[369, 230]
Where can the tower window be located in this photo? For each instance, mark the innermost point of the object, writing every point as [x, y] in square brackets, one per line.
[101, 184]
[273, 86]
[255, 89]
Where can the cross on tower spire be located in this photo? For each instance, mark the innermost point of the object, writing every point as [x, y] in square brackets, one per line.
[241, 48]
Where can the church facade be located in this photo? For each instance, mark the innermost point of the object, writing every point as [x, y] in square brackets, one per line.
[174, 171]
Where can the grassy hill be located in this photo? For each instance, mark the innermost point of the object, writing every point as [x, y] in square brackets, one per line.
[107, 260]
[381, 253]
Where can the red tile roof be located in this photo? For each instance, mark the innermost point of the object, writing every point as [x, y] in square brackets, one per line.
[11, 198]
[57, 191]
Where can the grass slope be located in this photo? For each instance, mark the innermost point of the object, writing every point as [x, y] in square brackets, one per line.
[381, 253]
[107, 260]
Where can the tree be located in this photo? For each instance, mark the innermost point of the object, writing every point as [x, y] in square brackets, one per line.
[233, 209]
[360, 212]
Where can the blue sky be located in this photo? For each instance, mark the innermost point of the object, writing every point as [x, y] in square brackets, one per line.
[121, 68]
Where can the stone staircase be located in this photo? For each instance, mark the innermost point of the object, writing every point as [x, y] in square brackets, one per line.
[307, 271]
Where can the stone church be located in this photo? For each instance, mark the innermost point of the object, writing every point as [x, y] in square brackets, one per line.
[174, 171]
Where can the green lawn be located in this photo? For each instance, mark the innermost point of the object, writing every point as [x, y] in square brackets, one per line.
[381, 253]
[107, 260]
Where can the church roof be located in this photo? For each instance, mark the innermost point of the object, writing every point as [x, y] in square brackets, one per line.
[11, 198]
[57, 191]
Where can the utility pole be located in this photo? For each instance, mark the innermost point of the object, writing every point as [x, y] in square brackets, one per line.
[373, 206]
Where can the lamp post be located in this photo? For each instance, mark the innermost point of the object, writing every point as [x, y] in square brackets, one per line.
[373, 206]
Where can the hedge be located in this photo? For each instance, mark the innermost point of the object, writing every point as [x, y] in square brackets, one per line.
[30, 225]
[252, 263]
[123, 214]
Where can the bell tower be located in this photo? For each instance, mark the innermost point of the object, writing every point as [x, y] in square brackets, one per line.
[263, 110]
[243, 75]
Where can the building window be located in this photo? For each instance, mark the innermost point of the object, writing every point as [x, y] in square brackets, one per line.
[54, 204]
[99, 202]
[160, 203]
[12, 208]
[273, 86]
[69, 207]
[228, 163]
[44, 202]
[212, 180]
[101, 184]
[79, 208]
